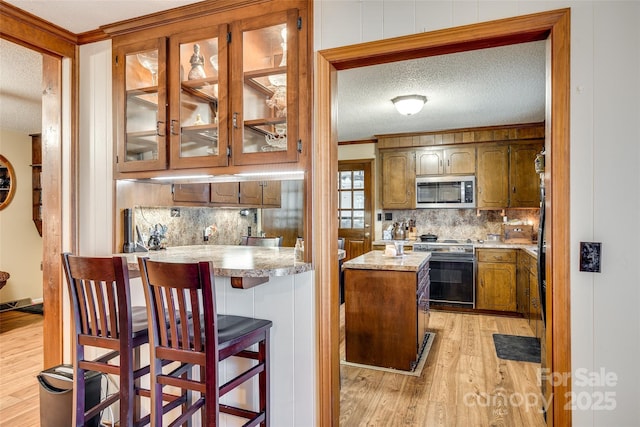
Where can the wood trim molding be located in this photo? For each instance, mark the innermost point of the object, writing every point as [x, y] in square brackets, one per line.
[35, 33]
[553, 25]
[359, 141]
[52, 209]
[171, 16]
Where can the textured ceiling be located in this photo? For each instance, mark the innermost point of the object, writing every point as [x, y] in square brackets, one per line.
[496, 86]
[20, 88]
[79, 16]
[504, 85]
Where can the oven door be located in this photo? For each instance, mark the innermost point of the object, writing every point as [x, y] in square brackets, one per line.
[452, 282]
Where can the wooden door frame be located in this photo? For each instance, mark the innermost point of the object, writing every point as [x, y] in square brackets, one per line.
[372, 183]
[55, 44]
[553, 26]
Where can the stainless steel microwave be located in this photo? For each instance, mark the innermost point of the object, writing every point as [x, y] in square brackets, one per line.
[446, 191]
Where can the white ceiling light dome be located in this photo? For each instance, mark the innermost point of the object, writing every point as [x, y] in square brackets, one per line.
[409, 104]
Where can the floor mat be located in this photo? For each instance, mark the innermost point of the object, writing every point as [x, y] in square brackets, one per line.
[518, 348]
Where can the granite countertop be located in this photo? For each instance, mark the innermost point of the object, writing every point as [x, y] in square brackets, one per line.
[407, 242]
[530, 248]
[229, 260]
[376, 260]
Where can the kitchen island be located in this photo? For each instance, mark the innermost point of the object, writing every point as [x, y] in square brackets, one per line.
[386, 309]
[285, 295]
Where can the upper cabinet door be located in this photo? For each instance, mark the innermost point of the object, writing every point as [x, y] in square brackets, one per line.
[141, 105]
[198, 98]
[264, 88]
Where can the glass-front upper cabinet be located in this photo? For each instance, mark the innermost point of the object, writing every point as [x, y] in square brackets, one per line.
[198, 85]
[264, 89]
[141, 125]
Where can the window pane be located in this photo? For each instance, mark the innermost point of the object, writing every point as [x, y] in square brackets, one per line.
[345, 180]
[358, 200]
[345, 200]
[345, 219]
[358, 179]
[358, 219]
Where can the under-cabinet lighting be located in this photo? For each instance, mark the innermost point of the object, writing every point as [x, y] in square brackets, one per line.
[175, 178]
[274, 174]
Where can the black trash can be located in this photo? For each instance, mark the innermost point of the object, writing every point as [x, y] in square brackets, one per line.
[56, 397]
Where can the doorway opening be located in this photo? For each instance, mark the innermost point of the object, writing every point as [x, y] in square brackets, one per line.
[552, 26]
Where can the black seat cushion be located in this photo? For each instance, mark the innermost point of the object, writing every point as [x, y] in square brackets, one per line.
[232, 327]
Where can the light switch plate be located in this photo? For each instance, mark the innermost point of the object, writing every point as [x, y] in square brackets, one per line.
[388, 216]
[590, 256]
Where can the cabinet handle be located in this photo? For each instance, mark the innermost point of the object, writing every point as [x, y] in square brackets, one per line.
[158, 123]
[173, 132]
[235, 120]
[514, 189]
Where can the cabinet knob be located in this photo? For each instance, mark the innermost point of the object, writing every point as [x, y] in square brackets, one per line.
[235, 120]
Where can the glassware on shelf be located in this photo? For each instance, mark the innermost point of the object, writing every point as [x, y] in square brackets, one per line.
[149, 60]
[279, 80]
[197, 64]
[277, 141]
[214, 62]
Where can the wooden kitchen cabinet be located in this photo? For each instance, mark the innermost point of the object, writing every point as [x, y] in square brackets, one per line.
[522, 284]
[524, 182]
[197, 193]
[447, 161]
[225, 193]
[398, 180]
[506, 175]
[493, 176]
[496, 280]
[261, 193]
[226, 89]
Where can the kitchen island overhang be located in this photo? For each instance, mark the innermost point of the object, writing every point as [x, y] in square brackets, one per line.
[286, 297]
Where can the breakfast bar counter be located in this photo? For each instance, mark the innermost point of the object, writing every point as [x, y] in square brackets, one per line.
[247, 266]
[285, 295]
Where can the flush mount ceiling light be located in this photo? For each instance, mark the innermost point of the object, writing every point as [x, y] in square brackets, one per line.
[409, 104]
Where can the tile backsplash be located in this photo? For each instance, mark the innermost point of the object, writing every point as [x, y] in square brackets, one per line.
[462, 223]
[186, 225]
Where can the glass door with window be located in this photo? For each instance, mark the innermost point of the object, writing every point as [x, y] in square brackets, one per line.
[354, 206]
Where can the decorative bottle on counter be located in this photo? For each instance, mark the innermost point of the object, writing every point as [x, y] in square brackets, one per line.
[399, 232]
[298, 250]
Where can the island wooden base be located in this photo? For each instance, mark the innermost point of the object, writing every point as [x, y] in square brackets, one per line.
[384, 323]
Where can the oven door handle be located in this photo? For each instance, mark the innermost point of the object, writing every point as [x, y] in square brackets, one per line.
[452, 259]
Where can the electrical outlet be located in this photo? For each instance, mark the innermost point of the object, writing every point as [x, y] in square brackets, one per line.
[590, 256]
[379, 217]
[175, 212]
[388, 216]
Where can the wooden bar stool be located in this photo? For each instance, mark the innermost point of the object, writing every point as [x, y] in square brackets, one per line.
[179, 291]
[104, 319]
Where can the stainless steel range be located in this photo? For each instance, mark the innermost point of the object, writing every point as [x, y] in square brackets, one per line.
[452, 270]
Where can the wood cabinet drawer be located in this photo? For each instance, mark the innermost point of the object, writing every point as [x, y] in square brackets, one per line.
[496, 255]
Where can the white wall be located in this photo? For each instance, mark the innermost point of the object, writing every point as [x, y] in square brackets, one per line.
[605, 177]
[20, 243]
[96, 150]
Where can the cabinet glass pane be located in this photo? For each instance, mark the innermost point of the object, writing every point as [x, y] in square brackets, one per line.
[198, 99]
[264, 64]
[141, 116]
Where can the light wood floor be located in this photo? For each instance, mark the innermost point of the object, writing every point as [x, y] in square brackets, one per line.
[21, 360]
[462, 384]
